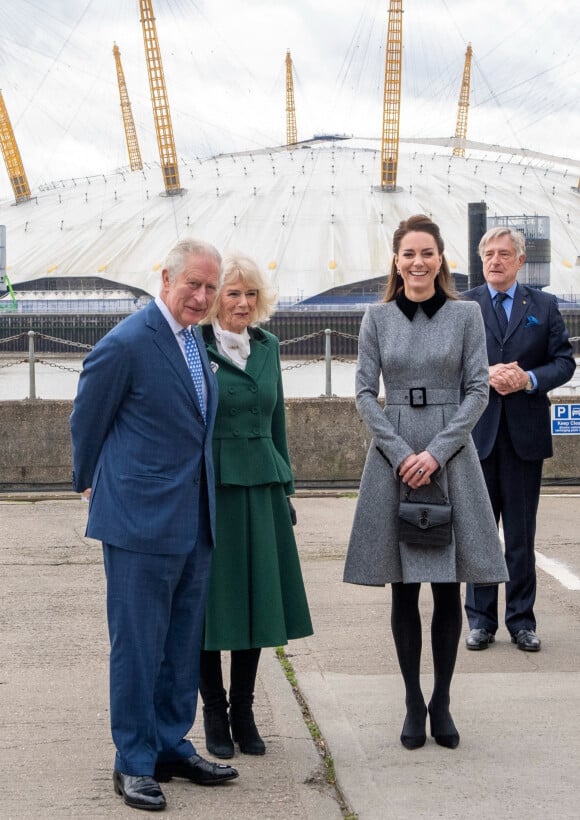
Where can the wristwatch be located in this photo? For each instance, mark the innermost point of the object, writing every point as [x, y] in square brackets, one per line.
[529, 385]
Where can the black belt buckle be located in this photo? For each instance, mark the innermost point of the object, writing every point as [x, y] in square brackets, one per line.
[417, 397]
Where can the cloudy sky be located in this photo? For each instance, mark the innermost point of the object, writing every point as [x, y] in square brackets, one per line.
[225, 75]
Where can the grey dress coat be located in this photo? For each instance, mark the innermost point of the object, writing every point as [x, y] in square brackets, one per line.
[446, 355]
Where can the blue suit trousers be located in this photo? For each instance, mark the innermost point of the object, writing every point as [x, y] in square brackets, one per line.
[514, 490]
[155, 611]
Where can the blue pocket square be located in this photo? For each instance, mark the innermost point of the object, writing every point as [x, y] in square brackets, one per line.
[531, 321]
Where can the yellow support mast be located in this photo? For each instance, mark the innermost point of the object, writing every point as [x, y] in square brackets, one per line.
[161, 112]
[128, 122]
[291, 132]
[392, 97]
[12, 157]
[463, 109]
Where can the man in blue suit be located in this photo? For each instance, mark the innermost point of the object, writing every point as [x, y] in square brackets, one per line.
[141, 437]
[529, 354]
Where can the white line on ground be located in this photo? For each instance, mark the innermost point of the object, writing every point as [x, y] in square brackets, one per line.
[554, 568]
[558, 571]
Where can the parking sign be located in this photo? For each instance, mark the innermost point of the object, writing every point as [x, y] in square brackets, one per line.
[565, 419]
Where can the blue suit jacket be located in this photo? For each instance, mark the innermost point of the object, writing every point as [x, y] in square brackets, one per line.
[537, 340]
[140, 442]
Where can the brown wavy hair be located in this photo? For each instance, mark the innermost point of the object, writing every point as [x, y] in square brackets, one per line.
[422, 224]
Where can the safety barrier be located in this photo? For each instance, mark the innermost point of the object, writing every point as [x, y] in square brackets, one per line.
[34, 359]
[327, 441]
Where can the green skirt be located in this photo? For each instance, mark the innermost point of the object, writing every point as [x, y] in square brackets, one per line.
[256, 593]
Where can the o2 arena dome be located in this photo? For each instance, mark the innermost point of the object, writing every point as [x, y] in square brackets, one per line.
[315, 213]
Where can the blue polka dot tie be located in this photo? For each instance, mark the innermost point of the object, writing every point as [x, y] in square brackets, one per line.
[194, 364]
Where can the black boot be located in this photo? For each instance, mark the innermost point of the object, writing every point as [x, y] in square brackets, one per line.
[243, 678]
[218, 740]
[244, 730]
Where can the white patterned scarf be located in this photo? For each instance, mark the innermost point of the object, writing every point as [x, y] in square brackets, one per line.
[235, 346]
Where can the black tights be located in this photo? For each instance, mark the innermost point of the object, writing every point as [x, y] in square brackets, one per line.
[445, 633]
[243, 671]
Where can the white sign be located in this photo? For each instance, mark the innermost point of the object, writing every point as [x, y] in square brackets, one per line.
[565, 419]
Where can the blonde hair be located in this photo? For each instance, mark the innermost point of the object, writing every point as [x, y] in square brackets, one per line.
[238, 266]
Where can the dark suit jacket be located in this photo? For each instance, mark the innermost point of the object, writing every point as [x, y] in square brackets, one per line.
[140, 442]
[537, 340]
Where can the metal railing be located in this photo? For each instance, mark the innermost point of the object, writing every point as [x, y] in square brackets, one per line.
[33, 359]
[328, 358]
[327, 354]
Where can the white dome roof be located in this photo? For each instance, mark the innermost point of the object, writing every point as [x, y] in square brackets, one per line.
[313, 217]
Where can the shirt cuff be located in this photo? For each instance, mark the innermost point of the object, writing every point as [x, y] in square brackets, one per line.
[533, 380]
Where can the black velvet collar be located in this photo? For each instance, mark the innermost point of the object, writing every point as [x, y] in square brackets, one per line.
[430, 306]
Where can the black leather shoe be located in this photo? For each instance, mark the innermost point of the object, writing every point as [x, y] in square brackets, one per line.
[196, 769]
[139, 792]
[479, 639]
[527, 640]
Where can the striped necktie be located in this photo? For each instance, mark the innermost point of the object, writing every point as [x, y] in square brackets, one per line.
[194, 364]
[500, 312]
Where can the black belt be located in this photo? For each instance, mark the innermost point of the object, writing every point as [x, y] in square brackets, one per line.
[422, 396]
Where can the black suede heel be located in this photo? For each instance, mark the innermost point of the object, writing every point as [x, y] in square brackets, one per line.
[443, 730]
[411, 738]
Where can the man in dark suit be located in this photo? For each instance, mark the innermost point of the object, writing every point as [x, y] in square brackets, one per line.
[529, 354]
[141, 436]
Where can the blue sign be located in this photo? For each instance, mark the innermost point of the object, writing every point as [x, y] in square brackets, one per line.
[566, 419]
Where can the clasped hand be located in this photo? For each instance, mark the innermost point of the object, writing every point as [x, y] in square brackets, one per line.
[507, 378]
[416, 470]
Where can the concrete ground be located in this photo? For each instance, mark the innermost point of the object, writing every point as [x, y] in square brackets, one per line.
[518, 713]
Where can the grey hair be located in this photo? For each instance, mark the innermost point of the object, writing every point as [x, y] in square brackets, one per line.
[516, 237]
[176, 259]
[237, 265]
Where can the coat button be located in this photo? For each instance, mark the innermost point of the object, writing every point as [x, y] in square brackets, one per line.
[236, 432]
[234, 411]
[254, 388]
[255, 410]
[231, 389]
[255, 431]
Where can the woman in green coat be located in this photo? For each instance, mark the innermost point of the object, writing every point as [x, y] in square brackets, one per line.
[256, 595]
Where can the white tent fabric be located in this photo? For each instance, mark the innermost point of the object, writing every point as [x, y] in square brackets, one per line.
[313, 217]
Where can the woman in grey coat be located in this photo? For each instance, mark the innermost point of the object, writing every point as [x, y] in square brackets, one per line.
[430, 350]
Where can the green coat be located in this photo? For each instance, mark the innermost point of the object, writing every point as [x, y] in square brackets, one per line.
[256, 595]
